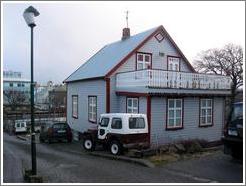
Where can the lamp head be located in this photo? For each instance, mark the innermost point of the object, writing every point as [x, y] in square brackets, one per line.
[29, 15]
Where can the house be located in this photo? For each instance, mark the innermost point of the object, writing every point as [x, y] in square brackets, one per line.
[148, 73]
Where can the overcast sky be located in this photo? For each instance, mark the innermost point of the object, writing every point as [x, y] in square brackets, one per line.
[67, 34]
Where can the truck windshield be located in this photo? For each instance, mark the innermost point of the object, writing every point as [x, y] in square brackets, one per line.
[104, 122]
[237, 112]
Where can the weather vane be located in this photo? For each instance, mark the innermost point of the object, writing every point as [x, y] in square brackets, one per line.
[127, 18]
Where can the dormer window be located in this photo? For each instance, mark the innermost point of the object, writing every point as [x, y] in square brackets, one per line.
[143, 61]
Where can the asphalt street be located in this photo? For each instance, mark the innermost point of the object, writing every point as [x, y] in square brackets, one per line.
[68, 163]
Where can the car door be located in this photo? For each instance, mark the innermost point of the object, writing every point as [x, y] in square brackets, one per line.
[103, 127]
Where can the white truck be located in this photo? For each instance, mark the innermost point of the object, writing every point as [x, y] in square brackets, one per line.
[20, 127]
[118, 131]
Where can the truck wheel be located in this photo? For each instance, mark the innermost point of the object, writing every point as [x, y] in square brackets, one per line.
[88, 144]
[41, 140]
[115, 148]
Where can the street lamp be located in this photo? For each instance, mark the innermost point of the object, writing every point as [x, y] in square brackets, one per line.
[29, 15]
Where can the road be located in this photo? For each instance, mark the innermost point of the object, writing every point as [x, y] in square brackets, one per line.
[68, 163]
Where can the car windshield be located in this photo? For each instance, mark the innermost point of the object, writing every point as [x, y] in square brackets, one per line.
[237, 112]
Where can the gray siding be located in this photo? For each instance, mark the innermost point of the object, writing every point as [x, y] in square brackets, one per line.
[191, 130]
[83, 89]
[158, 62]
[142, 104]
[114, 99]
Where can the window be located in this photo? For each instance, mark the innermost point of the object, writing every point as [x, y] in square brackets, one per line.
[19, 84]
[143, 61]
[206, 108]
[174, 115]
[173, 63]
[136, 123]
[104, 122]
[11, 84]
[116, 123]
[92, 109]
[159, 37]
[132, 105]
[75, 106]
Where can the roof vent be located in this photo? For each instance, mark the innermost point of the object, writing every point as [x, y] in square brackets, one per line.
[125, 33]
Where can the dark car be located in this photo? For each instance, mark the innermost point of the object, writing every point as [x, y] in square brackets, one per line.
[233, 134]
[58, 131]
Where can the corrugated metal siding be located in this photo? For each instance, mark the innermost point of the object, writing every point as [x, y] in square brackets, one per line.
[83, 89]
[191, 128]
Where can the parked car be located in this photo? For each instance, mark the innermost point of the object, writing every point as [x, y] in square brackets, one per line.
[57, 131]
[20, 127]
[118, 131]
[233, 134]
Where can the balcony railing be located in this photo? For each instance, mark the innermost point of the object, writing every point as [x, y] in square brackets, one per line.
[171, 79]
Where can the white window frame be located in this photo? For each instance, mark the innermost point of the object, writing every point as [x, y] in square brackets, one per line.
[174, 109]
[144, 63]
[75, 100]
[132, 108]
[173, 61]
[206, 108]
[92, 103]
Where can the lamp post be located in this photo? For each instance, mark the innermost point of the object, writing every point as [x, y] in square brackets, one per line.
[29, 15]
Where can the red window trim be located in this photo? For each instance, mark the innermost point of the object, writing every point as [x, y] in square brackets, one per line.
[136, 56]
[107, 95]
[94, 122]
[182, 120]
[207, 125]
[127, 97]
[76, 117]
[170, 56]
[157, 37]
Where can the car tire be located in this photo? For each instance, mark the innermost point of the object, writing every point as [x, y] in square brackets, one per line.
[236, 153]
[116, 148]
[41, 140]
[88, 144]
[49, 140]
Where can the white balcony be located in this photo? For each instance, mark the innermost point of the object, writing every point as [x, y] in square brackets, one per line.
[160, 79]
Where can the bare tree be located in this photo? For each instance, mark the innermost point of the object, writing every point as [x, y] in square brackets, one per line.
[225, 61]
[14, 98]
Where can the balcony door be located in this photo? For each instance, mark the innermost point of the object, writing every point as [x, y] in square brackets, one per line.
[173, 63]
[174, 67]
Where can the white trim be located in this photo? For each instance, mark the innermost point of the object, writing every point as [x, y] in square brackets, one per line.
[206, 108]
[144, 63]
[75, 99]
[92, 103]
[174, 109]
[132, 108]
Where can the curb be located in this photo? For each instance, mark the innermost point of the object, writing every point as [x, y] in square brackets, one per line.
[22, 138]
[142, 162]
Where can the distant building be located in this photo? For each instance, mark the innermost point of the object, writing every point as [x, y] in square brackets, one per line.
[15, 88]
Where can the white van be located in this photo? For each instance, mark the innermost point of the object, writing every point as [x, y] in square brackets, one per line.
[20, 126]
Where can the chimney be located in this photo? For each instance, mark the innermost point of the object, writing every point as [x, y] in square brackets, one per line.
[125, 33]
